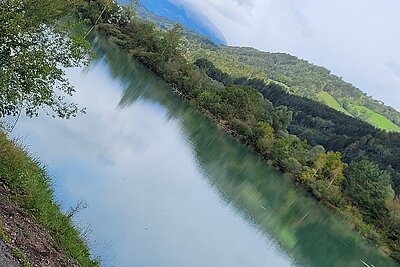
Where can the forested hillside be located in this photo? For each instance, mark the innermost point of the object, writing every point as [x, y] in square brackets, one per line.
[305, 79]
[322, 125]
[298, 76]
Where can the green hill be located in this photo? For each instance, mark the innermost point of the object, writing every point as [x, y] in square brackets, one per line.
[374, 118]
[330, 101]
[306, 79]
[298, 76]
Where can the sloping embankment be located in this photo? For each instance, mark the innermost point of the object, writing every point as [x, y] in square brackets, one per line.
[32, 225]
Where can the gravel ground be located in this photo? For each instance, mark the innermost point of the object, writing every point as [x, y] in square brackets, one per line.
[6, 259]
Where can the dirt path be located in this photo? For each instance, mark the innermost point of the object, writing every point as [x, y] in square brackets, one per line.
[6, 258]
[25, 234]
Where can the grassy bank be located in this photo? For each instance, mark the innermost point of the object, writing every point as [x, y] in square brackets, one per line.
[29, 186]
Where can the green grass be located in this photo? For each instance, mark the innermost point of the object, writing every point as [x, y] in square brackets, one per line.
[20, 255]
[3, 235]
[331, 102]
[360, 112]
[34, 194]
[375, 119]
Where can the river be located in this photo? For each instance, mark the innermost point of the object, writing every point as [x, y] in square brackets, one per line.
[165, 187]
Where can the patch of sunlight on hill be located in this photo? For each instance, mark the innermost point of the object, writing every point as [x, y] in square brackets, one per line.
[331, 102]
[375, 119]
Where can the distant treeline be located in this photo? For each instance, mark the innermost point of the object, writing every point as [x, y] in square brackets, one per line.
[347, 164]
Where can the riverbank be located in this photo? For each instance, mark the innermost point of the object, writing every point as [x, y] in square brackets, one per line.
[366, 230]
[32, 225]
[243, 112]
[349, 215]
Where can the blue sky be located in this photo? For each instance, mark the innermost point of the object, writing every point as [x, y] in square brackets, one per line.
[186, 16]
[358, 40]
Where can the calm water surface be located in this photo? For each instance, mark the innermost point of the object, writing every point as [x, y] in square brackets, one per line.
[165, 187]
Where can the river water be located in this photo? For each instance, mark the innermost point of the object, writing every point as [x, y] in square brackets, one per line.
[165, 187]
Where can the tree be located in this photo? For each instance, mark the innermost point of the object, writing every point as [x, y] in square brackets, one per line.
[248, 104]
[393, 220]
[368, 188]
[333, 168]
[171, 43]
[34, 48]
[266, 139]
[105, 5]
[281, 118]
[287, 152]
[212, 102]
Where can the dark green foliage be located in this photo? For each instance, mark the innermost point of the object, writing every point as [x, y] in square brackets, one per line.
[212, 71]
[5, 56]
[281, 118]
[246, 103]
[368, 187]
[285, 128]
[31, 61]
[307, 80]
[158, 49]
[321, 125]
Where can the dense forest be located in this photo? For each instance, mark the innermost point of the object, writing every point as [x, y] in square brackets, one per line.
[298, 76]
[321, 125]
[347, 164]
[302, 79]
[305, 78]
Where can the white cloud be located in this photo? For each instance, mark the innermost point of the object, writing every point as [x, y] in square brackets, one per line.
[355, 39]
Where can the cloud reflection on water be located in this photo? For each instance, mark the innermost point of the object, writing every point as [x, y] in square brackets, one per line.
[148, 203]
